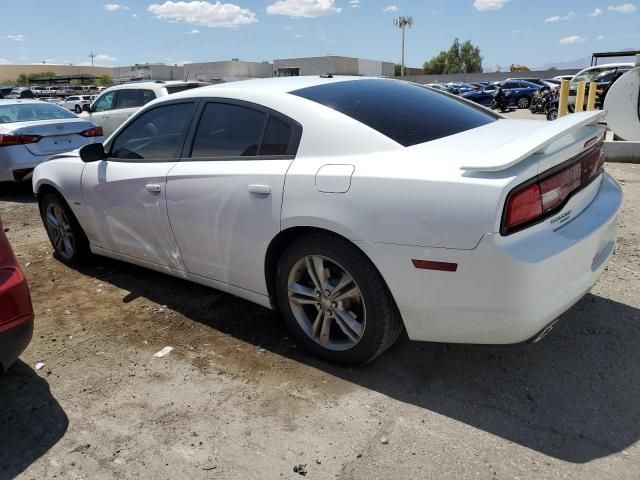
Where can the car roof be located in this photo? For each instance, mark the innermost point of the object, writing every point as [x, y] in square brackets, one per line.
[605, 66]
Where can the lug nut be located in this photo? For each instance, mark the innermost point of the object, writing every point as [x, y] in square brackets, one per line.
[327, 293]
[317, 293]
[334, 304]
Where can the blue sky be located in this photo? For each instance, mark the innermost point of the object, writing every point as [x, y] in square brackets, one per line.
[122, 32]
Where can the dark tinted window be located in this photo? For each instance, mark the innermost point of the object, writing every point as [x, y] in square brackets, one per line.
[155, 135]
[276, 137]
[182, 87]
[227, 130]
[132, 98]
[407, 113]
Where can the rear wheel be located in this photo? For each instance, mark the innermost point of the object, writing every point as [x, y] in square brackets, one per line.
[78, 109]
[69, 242]
[335, 301]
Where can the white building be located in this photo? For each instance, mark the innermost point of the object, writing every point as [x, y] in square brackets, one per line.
[147, 71]
[332, 64]
[227, 70]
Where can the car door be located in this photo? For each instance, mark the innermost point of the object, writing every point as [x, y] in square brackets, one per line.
[125, 194]
[128, 101]
[224, 200]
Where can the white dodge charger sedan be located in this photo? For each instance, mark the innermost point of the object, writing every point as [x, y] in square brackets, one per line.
[355, 206]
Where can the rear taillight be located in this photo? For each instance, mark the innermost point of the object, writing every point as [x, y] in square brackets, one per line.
[536, 201]
[7, 140]
[92, 132]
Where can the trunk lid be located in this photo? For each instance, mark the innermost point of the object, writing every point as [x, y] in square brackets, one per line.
[57, 136]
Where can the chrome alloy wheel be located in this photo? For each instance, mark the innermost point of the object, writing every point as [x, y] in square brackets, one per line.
[326, 302]
[59, 230]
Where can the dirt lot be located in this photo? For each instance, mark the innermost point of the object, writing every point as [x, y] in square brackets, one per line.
[236, 399]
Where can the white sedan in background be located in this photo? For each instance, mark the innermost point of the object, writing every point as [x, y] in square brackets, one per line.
[355, 206]
[76, 102]
[32, 130]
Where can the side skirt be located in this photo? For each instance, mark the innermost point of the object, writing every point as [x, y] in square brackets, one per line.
[249, 295]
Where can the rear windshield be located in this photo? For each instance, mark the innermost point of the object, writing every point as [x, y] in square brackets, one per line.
[405, 112]
[26, 112]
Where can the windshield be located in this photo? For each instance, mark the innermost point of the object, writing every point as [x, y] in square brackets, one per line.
[27, 112]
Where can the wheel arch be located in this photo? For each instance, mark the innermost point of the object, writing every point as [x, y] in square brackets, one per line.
[286, 237]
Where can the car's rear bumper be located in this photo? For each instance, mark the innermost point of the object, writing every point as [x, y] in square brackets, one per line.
[16, 159]
[14, 340]
[507, 289]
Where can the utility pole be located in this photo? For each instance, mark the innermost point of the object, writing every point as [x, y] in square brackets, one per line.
[401, 23]
[92, 56]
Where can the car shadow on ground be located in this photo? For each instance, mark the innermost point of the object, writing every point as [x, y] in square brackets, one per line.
[572, 396]
[31, 419]
[19, 192]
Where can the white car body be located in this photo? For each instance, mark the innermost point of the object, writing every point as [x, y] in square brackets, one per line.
[51, 137]
[139, 94]
[215, 222]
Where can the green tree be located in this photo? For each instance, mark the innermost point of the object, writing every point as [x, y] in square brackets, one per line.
[105, 80]
[460, 58]
[397, 69]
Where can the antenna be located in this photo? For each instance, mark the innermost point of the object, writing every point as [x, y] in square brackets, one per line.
[401, 23]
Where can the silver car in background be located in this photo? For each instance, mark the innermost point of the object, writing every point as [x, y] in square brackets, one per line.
[32, 130]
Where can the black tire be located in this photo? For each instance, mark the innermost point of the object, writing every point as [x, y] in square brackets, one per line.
[78, 109]
[382, 322]
[76, 237]
[552, 114]
[523, 102]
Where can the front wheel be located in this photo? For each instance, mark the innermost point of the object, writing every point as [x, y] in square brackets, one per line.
[69, 242]
[523, 102]
[335, 301]
[552, 114]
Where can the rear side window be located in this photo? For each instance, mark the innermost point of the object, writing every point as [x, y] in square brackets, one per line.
[181, 87]
[155, 135]
[276, 138]
[227, 130]
[407, 113]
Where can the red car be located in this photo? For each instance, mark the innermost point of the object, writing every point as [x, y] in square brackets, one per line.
[16, 312]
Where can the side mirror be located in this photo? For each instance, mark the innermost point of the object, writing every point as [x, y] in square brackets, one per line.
[86, 108]
[92, 152]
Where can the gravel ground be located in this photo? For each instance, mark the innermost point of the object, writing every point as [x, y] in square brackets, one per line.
[237, 399]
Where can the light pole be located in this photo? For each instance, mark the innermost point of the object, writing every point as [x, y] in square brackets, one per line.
[92, 56]
[401, 23]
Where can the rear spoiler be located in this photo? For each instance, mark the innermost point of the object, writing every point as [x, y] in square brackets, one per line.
[517, 150]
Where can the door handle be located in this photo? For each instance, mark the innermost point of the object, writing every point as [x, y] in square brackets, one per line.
[153, 188]
[264, 190]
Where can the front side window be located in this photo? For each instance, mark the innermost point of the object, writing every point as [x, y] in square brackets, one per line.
[104, 102]
[227, 130]
[155, 135]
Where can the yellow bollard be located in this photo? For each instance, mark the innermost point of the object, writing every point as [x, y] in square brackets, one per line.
[563, 102]
[591, 101]
[580, 96]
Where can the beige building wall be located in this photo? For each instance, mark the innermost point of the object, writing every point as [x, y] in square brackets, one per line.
[11, 72]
